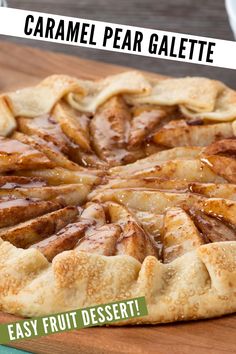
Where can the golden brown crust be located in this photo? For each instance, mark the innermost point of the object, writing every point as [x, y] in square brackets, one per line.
[200, 284]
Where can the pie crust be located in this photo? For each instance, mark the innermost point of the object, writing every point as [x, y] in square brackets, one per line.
[119, 188]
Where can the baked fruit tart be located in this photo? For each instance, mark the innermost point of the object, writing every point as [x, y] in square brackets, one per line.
[119, 188]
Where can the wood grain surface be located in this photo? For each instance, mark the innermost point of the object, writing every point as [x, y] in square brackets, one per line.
[21, 66]
[199, 17]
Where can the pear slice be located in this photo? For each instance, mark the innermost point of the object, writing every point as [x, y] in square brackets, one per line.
[222, 166]
[212, 190]
[143, 183]
[180, 133]
[133, 241]
[224, 209]
[34, 230]
[61, 175]
[101, 240]
[118, 214]
[90, 159]
[13, 211]
[70, 194]
[73, 124]
[146, 183]
[220, 157]
[180, 235]
[148, 200]
[178, 163]
[63, 240]
[95, 213]
[225, 147]
[154, 161]
[110, 128]
[47, 129]
[9, 182]
[184, 170]
[142, 125]
[152, 223]
[213, 229]
[15, 156]
[49, 149]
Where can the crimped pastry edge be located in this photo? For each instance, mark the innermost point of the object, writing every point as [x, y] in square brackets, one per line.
[199, 284]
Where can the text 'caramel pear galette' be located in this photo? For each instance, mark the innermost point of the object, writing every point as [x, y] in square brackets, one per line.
[119, 188]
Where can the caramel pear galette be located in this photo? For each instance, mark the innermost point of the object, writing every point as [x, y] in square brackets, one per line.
[119, 188]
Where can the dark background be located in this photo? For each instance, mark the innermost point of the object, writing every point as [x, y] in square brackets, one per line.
[198, 17]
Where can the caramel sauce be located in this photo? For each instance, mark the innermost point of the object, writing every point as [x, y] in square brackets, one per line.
[9, 202]
[49, 129]
[10, 147]
[111, 128]
[12, 182]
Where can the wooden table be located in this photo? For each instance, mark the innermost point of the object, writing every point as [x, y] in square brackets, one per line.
[20, 66]
[199, 17]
